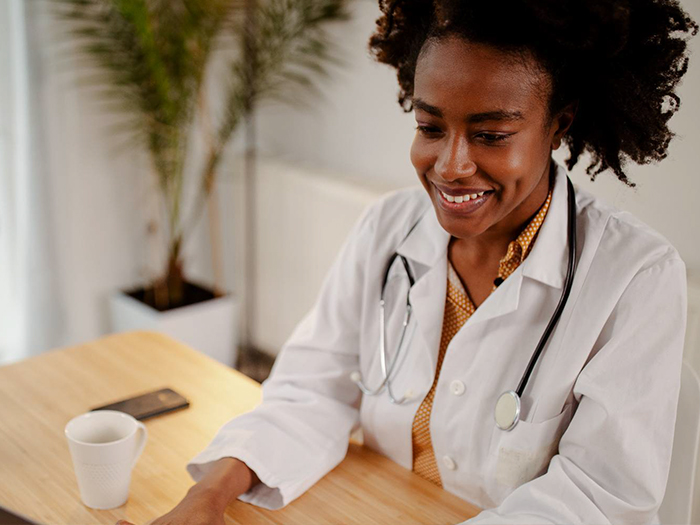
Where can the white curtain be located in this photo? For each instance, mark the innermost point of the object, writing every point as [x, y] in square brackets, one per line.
[30, 307]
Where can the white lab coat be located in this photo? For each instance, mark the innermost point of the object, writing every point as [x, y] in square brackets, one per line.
[607, 383]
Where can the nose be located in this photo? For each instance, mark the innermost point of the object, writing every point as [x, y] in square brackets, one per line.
[454, 161]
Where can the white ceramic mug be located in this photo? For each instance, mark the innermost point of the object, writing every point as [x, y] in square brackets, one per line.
[105, 446]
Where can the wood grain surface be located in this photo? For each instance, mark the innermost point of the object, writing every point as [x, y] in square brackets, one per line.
[38, 396]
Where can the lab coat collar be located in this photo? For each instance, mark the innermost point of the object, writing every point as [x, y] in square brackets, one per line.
[425, 248]
[427, 243]
[548, 258]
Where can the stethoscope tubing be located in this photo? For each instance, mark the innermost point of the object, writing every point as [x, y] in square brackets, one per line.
[570, 272]
[388, 371]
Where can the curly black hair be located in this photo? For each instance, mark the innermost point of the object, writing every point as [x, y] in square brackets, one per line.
[619, 60]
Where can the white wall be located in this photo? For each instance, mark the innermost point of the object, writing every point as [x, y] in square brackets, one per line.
[359, 129]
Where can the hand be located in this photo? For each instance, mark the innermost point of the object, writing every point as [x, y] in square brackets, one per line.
[206, 502]
[192, 510]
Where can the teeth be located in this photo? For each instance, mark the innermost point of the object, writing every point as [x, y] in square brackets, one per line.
[462, 198]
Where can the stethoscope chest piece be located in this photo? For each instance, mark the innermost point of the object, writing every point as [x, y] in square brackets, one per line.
[507, 413]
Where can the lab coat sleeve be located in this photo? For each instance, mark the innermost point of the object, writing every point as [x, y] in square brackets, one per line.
[613, 459]
[301, 429]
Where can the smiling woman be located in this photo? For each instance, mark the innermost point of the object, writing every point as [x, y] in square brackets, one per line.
[497, 271]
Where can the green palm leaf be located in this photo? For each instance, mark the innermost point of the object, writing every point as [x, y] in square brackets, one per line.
[149, 59]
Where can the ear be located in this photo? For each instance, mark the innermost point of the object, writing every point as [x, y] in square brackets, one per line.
[562, 122]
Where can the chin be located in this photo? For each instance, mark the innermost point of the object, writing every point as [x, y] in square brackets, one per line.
[458, 227]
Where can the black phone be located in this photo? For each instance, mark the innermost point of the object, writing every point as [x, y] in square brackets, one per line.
[150, 404]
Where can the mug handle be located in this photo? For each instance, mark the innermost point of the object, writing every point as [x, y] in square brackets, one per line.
[142, 438]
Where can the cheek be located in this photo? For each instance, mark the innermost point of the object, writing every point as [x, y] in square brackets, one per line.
[523, 157]
[517, 161]
[504, 167]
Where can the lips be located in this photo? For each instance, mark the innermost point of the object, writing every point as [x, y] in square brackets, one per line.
[461, 190]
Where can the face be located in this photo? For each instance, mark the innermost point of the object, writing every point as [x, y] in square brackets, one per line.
[484, 137]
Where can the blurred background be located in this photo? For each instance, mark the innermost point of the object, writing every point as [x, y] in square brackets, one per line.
[208, 195]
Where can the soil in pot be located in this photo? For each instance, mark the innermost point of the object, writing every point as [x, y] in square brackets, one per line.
[192, 294]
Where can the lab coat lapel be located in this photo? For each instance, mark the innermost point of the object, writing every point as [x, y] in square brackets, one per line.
[502, 301]
[426, 250]
[548, 259]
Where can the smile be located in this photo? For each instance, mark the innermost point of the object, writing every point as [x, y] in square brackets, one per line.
[462, 198]
[463, 204]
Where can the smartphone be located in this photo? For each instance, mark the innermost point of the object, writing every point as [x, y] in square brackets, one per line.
[150, 404]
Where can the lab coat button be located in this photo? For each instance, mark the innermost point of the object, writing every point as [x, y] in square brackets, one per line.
[409, 395]
[449, 462]
[457, 387]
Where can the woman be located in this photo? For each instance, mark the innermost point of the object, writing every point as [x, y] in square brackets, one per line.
[495, 88]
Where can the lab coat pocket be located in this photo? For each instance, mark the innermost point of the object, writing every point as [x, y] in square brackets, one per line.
[524, 452]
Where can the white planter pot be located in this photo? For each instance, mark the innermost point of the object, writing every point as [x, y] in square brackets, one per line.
[210, 327]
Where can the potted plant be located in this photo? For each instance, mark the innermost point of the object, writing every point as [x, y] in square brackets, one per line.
[152, 57]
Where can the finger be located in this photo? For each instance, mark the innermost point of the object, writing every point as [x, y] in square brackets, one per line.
[123, 522]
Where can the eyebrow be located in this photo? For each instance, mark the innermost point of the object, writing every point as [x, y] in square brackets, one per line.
[499, 114]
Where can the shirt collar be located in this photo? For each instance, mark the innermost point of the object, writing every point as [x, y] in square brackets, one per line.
[518, 249]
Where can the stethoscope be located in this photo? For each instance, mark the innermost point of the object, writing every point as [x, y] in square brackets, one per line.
[507, 410]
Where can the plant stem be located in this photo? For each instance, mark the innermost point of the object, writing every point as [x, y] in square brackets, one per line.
[208, 178]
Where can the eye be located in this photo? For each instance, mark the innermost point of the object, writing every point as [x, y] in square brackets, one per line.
[493, 138]
[428, 131]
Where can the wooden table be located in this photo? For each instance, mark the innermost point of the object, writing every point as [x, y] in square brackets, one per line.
[40, 395]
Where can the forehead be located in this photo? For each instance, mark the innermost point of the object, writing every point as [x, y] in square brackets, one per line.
[463, 78]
